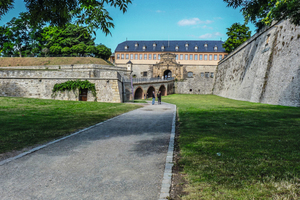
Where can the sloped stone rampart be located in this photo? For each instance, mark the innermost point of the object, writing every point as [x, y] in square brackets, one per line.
[264, 69]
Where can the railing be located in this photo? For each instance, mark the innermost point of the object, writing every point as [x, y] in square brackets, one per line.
[143, 80]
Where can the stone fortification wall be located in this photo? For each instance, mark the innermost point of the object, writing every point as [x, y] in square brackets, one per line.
[38, 81]
[264, 69]
[201, 81]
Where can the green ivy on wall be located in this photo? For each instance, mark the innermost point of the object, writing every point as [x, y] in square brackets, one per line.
[73, 85]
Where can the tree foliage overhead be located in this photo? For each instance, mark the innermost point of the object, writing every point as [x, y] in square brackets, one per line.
[262, 12]
[60, 12]
[237, 34]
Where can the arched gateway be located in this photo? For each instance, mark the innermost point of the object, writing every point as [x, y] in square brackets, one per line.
[168, 67]
[138, 93]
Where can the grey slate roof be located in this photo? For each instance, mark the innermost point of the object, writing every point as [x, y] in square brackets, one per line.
[170, 46]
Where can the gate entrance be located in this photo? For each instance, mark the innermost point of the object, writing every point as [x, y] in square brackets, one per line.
[167, 74]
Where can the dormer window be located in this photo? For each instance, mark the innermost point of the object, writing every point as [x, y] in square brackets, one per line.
[196, 48]
[186, 45]
[176, 48]
[154, 45]
[144, 48]
[136, 45]
[205, 45]
[215, 48]
[126, 47]
[162, 47]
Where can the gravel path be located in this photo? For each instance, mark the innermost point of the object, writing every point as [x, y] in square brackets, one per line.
[123, 158]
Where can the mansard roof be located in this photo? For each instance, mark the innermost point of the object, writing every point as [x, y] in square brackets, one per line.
[171, 46]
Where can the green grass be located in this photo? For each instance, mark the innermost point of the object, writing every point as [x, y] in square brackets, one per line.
[238, 150]
[139, 101]
[25, 122]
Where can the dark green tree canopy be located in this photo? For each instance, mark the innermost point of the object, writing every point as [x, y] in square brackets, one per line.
[237, 34]
[60, 12]
[19, 38]
[73, 40]
[262, 12]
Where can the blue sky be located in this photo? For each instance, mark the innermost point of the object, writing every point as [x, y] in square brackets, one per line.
[163, 20]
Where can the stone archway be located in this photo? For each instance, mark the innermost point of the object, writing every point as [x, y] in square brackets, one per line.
[168, 73]
[150, 90]
[163, 90]
[138, 94]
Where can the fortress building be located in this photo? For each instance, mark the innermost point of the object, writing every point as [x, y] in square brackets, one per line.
[192, 63]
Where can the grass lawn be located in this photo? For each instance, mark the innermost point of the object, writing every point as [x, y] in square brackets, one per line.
[25, 122]
[238, 150]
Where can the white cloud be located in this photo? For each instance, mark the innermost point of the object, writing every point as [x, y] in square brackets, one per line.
[210, 35]
[193, 21]
[207, 27]
[160, 11]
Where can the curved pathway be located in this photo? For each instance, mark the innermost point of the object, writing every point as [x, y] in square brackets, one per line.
[123, 158]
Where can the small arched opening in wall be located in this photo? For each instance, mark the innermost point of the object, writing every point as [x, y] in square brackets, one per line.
[83, 94]
[163, 90]
[150, 91]
[138, 94]
[167, 74]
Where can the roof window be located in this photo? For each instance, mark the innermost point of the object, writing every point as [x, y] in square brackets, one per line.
[144, 47]
[196, 48]
[126, 47]
[154, 45]
[186, 45]
[176, 48]
[205, 45]
[136, 44]
[162, 47]
[215, 48]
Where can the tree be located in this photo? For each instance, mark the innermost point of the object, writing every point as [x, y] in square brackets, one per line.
[263, 12]
[19, 38]
[72, 40]
[102, 52]
[237, 34]
[60, 12]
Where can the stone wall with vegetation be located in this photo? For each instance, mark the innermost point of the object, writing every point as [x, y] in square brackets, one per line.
[38, 81]
[264, 69]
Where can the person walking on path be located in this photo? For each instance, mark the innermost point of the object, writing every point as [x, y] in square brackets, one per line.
[159, 97]
[153, 98]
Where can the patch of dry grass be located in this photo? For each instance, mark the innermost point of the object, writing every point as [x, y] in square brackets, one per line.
[30, 61]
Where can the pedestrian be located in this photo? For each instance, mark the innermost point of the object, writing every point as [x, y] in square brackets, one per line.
[159, 97]
[144, 95]
[147, 96]
[153, 98]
